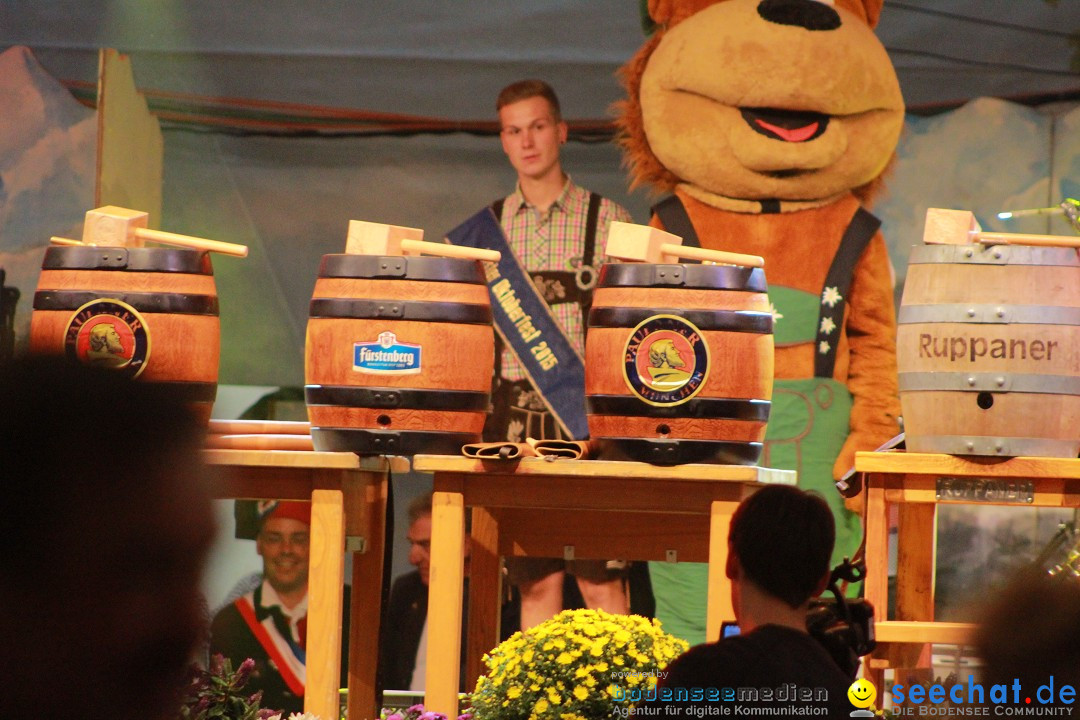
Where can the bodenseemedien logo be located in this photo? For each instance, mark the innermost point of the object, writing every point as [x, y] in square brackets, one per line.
[785, 700]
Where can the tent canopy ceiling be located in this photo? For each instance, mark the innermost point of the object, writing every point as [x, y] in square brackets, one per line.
[447, 58]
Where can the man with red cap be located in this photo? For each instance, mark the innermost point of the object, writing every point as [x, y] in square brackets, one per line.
[269, 624]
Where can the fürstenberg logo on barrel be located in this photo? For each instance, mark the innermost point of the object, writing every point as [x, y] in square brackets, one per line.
[386, 356]
[666, 361]
[108, 333]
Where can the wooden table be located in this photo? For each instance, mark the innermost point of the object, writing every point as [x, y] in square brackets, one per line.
[348, 508]
[917, 483]
[565, 508]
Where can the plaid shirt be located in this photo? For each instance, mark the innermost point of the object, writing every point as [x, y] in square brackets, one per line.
[555, 240]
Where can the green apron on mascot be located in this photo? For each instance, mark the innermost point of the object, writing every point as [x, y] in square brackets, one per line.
[808, 424]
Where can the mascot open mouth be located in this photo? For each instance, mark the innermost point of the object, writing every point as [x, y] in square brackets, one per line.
[788, 125]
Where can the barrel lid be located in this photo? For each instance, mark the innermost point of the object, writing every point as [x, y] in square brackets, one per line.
[164, 260]
[687, 275]
[412, 267]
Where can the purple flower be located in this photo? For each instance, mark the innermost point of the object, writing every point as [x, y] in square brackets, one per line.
[217, 664]
[431, 715]
[415, 709]
[394, 716]
[243, 673]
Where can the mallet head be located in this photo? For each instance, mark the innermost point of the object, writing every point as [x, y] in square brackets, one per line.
[114, 226]
[642, 243]
[368, 238]
[950, 227]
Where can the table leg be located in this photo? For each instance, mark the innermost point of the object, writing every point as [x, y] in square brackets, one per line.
[444, 602]
[916, 543]
[485, 593]
[719, 599]
[326, 578]
[365, 608]
[874, 671]
[876, 531]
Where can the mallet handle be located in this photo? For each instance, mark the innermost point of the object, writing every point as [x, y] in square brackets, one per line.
[196, 243]
[447, 250]
[716, 256]
[64, 241]
[992, 238]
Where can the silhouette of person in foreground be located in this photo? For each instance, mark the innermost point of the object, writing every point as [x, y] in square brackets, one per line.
[1031, 633]
[100, 608]
[779, 545]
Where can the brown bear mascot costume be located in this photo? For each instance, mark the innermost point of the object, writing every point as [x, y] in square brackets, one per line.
[770, 122]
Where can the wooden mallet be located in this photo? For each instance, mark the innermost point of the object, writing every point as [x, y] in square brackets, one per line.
[120, 227]
[643, 243]
[369, 238]
[959, 227]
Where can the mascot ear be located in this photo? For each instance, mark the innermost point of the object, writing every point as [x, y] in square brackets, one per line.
[868, 9]
[873, 11]
[667, 13]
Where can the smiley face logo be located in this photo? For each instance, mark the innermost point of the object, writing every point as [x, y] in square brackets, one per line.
[862, 693]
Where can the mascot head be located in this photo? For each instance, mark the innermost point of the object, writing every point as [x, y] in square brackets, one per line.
[762, 99]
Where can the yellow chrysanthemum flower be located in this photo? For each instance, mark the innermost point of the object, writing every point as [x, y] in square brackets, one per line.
[562, 669]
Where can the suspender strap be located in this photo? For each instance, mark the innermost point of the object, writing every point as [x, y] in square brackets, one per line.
[588, 257]
[590, 229]
[672, 213]
[856, 237]
[525, 323]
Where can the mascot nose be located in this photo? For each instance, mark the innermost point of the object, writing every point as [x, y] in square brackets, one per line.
[807, 14]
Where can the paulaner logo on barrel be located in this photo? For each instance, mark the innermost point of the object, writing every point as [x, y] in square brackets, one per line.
[108, 333]
[666, 361]
[386, 356]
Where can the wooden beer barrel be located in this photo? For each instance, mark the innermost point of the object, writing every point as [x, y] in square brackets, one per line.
[151, 313]
[988, 350]
[399, 354]
[679, 362]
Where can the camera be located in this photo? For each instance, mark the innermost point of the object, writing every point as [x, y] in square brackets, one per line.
[844, 626]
